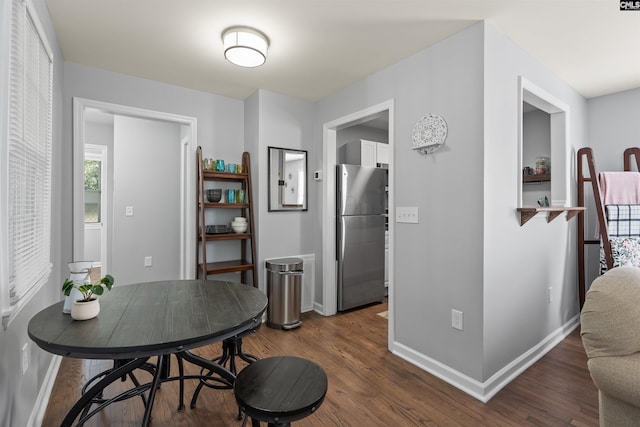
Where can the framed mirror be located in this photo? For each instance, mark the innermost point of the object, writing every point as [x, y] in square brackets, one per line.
[287, 179]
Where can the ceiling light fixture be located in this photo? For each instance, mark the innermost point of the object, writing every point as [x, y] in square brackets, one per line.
[245, 47]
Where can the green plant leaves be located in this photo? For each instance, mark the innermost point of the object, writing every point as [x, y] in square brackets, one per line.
[88, 290]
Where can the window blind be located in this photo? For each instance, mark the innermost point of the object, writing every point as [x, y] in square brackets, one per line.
[29, 153]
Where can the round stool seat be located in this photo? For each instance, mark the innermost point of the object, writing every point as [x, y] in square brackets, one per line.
[280, 389]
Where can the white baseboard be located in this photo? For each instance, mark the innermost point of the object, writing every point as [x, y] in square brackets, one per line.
[484, 391]
[42, 400]
[308, 281]
[318, 308]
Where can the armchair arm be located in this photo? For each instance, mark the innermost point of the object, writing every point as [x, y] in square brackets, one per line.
[617, 376]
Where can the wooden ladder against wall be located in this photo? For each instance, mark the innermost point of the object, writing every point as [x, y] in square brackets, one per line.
[206, 264]
[585, 156]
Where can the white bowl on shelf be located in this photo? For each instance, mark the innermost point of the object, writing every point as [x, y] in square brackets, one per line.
[240, 219]
[239, 227]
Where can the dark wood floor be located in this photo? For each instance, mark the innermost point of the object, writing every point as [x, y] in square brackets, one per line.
[368, 386]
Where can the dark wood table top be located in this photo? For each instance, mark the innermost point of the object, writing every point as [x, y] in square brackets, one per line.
[153, 318]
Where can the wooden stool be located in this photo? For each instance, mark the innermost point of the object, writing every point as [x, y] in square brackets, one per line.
[280, 390]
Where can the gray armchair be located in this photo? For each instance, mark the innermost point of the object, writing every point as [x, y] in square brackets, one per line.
[611, 337]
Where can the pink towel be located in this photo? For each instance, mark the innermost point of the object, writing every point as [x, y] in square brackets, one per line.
[620, 188]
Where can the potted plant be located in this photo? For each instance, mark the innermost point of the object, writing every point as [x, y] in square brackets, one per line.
[88, 306]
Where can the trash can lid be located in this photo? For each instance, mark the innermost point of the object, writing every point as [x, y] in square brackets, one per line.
[284, 264]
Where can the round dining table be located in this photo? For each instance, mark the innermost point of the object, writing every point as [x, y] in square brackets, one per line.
[150, 319]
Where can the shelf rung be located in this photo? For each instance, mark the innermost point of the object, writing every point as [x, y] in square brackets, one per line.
[221, 267]
[226, 236]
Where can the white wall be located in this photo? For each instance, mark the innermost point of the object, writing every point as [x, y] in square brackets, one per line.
[146, 163]
[520, 263]
[613, 126]
[438, 262]
[283, 122]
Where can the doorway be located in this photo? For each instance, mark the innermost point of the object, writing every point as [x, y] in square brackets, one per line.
[140, 165]
[330, 146]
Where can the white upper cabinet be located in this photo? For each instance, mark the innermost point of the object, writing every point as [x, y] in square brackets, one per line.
[365, 153]
[368, 153]
[382, 153]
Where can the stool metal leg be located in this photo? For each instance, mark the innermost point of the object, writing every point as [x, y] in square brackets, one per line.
[231, 348]
[181, 374]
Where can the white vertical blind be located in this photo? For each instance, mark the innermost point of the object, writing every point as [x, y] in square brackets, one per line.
[29, 153]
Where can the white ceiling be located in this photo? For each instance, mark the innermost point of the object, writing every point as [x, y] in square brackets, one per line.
[320, 46]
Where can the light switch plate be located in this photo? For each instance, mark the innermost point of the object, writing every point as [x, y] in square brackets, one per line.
[456, 319]
[128, 211]
[26, 355]
[407, 215]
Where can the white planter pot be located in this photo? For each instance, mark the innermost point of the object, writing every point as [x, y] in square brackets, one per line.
[85, 310]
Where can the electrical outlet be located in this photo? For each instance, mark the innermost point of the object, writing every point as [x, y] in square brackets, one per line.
[148, 261]
[456, 319]
[26, 355]
[128, 211]
[549, 295]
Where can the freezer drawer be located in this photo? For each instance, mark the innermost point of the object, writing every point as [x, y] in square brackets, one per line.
[360, 260]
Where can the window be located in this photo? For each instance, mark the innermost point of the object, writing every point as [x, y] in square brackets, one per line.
[28, 161]
[549, 140]
[92, 191]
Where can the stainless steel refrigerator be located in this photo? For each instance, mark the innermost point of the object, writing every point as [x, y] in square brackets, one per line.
[360, 229]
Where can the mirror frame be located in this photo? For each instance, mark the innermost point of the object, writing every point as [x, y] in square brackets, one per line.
[274, 184]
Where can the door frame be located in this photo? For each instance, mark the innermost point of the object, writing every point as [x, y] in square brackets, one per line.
[329, 278]
[188, 145]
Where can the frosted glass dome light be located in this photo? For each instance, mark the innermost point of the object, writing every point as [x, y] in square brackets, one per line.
[245, 47]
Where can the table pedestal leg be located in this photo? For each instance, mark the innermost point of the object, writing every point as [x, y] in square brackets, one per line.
[97, 389]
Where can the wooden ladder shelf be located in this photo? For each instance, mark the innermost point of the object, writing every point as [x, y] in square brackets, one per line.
[205, 265]
[588, 176]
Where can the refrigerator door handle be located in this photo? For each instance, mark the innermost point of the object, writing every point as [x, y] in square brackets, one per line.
[338, 238]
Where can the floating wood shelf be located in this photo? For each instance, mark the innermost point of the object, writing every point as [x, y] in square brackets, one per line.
[541, 177]
[528, 212]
